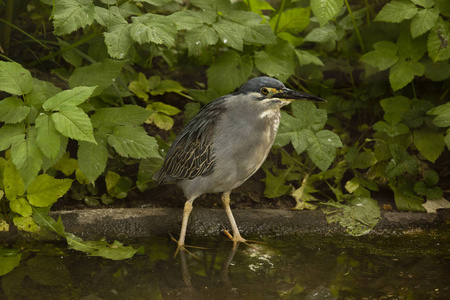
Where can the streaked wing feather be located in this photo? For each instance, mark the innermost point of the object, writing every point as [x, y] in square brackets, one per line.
[192, 153]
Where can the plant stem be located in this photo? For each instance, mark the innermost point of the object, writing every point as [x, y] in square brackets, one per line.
[361, 44]
[280, 11]
[7, 27]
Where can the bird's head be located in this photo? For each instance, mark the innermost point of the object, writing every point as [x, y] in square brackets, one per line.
[273, 92]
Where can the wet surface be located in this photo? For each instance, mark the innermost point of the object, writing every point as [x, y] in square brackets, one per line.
[414, 265]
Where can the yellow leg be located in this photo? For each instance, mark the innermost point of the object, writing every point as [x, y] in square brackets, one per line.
[236, 238]
[186, 212]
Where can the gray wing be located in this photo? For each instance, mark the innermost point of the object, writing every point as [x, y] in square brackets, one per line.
[192, 153]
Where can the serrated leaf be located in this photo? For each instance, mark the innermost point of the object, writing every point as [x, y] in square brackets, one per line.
[401, 163]
[395, 108]
[133, 142]
[26, 224]
[292, 20]
[13, 110]
[443, 6]
[255, 32]
[100, 75]
[322, 148]
[438, 41]
[151, 28]
[411, 48]
[10, 134]
[27, 157]
[405, 199]
[397, 11]
[161, 121]
[231, 34]
[276, 60]
[166, 86]
[114, 116]
[92, 158]
[12, 182]
[221, 6]
[429, 143]
[198, 38]
[155, 2]
[72, 97]
[383, 57]
[309, 116]
[166, 108]
[69, 15]
[74, 123]
[15, 79]
[229, 71]
[48, 138]
[45, 190]
[118, 40]
[325, 10]
[42, 90]
[423, 21]
[323, 34]
[66, 164]
[432, 193]
[191, 19]
[403, 72]
[306, 58]
[21, 206]
[275, 184]
[391, 130]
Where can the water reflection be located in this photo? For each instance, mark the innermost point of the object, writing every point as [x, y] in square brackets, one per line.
[311, 267]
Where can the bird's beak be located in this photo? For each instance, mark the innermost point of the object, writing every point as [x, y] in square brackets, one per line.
[289, 94]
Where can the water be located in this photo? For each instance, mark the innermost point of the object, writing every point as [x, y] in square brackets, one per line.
[414, 265]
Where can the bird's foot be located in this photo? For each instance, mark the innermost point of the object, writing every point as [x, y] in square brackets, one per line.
[237, 238]
[182, 247]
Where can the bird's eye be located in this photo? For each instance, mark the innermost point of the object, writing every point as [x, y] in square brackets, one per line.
[264, 91]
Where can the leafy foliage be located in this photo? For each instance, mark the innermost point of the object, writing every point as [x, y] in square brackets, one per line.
[383, 69]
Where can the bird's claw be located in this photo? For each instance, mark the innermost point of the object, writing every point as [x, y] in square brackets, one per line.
[182, 247]
[239, 239]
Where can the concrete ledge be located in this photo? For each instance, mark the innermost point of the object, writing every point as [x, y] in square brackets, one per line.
[130, 223]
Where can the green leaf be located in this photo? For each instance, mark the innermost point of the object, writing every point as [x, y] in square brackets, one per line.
[155, 2]
[230, 33]
[118, 40]
[26, 224]
[405, 199]
[151, 28]
[400, 163]
[45, 190]
[323, 34]
[438, 41]
[66, 164]
[42, 90]
[443, 6]
[437, 71]
[10, 134]
[100, 75]
[114, 251]
[191, 19]
[326, 10]
[395, 108]
[397, 11]
[165, 108]
[257, 6]
[220, 6]
[27, 157]
[12, 182]
[48, 138]
[9, 259]
[41, 217]
[14, 79]
[322, 148]
[432, 193]
[166, 86]
[411, 48]
[306, 58]
[74, 123]
[21, 206]
[292, 20]
[276, 60]
[391, 130]
[133, 142]
[229, 71]
[69, 15]
[73, 97]
[383, 57]
[308, 115]
[255, 32]
[443, 115]
[198, 38]
[424, 3]
[423, 21]
[161, 120]
[92, 158]
[13, 110]
[113, 116]
[429, 143]
[359, 217]
[275, 184]
[403, 72]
